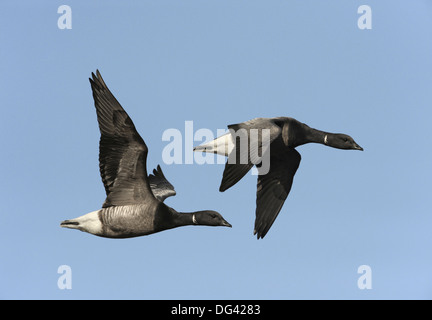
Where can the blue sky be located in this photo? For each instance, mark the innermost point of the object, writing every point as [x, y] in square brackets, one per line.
[216, 63]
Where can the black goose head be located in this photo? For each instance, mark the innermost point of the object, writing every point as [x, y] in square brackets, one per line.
[209, 218]
[341, 141]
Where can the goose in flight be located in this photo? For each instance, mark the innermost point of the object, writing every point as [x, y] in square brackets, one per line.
[134, 204]
[275, 139]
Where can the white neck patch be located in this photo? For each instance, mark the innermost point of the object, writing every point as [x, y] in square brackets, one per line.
[325, 139]
[194, 219]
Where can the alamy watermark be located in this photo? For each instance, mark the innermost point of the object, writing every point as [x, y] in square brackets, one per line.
[65, 20]
[365, 20]
[242, 146]
[365, 280]
[65, 280]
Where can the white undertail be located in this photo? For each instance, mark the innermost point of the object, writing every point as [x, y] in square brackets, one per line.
[89, 222]
[222, 145]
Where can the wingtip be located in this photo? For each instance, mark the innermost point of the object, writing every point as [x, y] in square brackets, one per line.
[97, 82]
[98, 74]
[225, 185]
[259, 234]
[93, 80]
[158, 171]
[96, 77]
[222, 188]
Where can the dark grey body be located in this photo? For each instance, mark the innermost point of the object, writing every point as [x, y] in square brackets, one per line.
[140, 219]
[130, 221]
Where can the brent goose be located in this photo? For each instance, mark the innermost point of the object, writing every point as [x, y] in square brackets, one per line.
[274, 184]
[134, 203]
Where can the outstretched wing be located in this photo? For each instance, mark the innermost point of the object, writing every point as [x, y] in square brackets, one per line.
[237, 165]
[274, 187]
[122, 151]
[160, 186]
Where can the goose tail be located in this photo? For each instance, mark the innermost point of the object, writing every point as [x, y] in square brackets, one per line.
[222, 145]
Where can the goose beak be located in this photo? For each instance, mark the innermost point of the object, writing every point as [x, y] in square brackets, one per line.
[69, 224]
[357, 147]
[226, 224]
